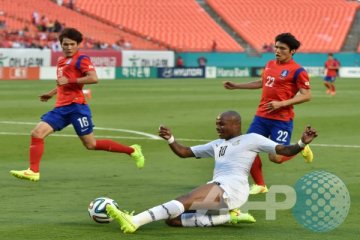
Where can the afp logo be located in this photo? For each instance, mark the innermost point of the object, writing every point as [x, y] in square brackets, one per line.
[319, 201]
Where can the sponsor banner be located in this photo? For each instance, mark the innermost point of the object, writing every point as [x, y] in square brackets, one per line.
[19, 73]
[147, 58]
[105, 73]
[100, 58]
[10, 57]
[186, 72]
[230, 72]
[257, 71]
[350, 72]
[49, 73]
[210, 72]
[315, 71]
[136, 72]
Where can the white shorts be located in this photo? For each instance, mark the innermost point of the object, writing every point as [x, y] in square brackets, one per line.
[236, 192]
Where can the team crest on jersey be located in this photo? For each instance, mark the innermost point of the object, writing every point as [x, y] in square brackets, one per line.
[236, 143]
[284, 73]
[68, 61]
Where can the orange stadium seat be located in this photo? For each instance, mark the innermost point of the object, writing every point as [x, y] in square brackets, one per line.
[321, 25]
[182, 25]
[18, 15]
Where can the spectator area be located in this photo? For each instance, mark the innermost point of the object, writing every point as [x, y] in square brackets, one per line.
[17, 14]
[321, 25]
[182, 25]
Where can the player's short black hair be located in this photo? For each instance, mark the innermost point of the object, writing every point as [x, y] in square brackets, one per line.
[289, 40]
[71, 33]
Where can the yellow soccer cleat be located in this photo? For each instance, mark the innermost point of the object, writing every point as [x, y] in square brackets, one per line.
[236, 216]
[26, 174]
[307, 154]
[124, 219]
[256, 189]
[138, 156]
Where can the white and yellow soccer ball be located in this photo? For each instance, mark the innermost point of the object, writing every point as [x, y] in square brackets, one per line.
[97, 209]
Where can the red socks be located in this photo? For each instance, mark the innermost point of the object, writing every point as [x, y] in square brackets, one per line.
[256, 171]
[333, 88]
[36, 152]
[112, 146]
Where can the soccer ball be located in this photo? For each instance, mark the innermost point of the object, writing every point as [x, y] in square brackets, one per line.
[97, 209]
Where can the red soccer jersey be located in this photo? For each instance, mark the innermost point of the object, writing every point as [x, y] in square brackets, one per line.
[331, 72]
[72, 68]
[281, 81]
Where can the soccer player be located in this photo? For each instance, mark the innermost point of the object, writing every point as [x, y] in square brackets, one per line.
[284, 83]
[73, 72]
[331, 71]
[229, 188]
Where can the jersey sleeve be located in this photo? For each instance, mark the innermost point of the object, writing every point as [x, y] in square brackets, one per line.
[303, 80]
[205, 150]
[85, 64]
[260, 143]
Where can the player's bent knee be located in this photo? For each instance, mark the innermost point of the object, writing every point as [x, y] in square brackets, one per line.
[36, 134]
[90, 146]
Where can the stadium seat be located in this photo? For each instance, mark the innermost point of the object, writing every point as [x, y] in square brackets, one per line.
[18, 15]
[183, 25]
[321, 26]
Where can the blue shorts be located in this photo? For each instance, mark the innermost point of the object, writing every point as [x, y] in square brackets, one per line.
[79, 115]
[329, 79]
[276, 130]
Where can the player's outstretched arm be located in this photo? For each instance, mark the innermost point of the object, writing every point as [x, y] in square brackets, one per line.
[177, 148]
[308, 135]
[249, 85]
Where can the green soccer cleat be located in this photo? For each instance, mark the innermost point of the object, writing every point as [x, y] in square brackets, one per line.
[307, 154]
[124, 219]
[256, 189]
[238, 217]
[26, 174]
[138, 156]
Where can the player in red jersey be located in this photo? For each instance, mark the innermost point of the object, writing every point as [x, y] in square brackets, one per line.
[73, 72]
[281, 82]
[331, 71]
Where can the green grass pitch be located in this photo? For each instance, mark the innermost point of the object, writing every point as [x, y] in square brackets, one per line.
[71, 176]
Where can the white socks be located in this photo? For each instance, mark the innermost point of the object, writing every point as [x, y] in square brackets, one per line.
[167, 210]
[203, 220]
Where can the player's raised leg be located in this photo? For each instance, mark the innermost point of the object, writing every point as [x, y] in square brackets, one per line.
[111, 146]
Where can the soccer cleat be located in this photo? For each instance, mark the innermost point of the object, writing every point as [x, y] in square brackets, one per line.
[26, 174]
[124, 219]
[307, 154]
[138, 156]
[256, 189]
[236, 216]
[328, 91]
[332, 93]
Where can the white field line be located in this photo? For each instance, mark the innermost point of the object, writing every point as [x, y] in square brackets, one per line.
[151, 136]
[143, 135]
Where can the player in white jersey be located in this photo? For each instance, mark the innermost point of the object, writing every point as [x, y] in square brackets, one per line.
[234, 154]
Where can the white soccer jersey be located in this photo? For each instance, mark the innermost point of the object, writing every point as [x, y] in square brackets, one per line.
[233, 160]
